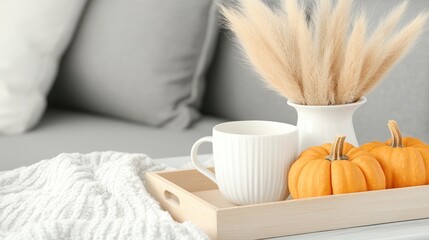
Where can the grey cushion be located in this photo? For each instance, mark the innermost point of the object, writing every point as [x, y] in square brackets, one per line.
[143, 61]
[234, 91]
[69, 131]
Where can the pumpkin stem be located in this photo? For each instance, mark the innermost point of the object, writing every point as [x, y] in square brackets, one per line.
[337, 149]
[396, 134]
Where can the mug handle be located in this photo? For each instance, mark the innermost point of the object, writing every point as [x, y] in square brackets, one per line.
[196, 163]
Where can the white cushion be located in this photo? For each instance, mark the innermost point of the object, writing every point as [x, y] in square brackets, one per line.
[33, 36]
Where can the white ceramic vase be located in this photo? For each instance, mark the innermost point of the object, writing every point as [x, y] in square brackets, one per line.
[321, 124]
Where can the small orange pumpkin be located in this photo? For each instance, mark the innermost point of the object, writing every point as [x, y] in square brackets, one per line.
[405, 161]
[324, 170]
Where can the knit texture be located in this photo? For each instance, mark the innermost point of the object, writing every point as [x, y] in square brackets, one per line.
[86, 196]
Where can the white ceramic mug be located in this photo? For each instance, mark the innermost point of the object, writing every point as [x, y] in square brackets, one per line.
[251, 160]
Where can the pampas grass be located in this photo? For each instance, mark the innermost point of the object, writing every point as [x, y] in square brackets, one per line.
[324, 56]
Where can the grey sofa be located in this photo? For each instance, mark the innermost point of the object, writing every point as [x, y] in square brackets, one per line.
[233, 92]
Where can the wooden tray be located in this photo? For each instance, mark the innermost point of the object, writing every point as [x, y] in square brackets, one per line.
[189, 196]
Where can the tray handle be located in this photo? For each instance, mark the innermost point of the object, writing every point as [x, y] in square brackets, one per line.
[171, 198]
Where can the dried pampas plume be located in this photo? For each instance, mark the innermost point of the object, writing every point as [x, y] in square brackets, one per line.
[328, 60]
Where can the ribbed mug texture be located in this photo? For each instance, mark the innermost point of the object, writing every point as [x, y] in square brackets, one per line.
[253, 169]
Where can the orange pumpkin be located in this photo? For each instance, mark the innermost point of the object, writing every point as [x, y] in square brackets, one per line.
[405, 161]
[325, 170]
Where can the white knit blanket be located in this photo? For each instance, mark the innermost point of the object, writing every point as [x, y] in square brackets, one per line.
[86, 196]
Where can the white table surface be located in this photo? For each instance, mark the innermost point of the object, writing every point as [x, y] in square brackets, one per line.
[407, 230]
